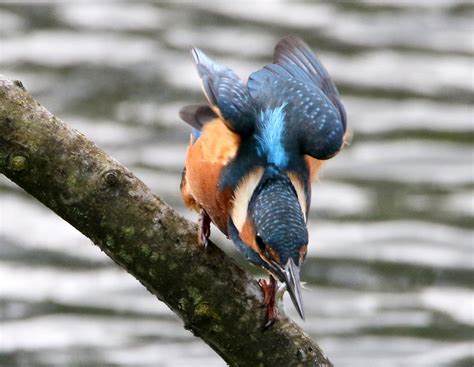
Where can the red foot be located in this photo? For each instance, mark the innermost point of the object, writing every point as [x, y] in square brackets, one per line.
[269, 291]
[204, 231]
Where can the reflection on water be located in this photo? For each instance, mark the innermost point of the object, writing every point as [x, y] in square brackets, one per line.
[389, 277]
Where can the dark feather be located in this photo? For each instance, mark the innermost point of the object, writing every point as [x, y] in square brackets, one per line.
[197, 115]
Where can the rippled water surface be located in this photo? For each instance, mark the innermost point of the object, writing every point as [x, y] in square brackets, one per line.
[389, 278]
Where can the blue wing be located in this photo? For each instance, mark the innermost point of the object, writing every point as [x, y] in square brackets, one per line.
[298, 81]
[226, 94]
[300, 62]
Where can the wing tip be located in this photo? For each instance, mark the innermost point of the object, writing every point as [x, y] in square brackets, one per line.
[201, 60]
[197, 55]
[185, 113]
[289, 42]
[196, 115]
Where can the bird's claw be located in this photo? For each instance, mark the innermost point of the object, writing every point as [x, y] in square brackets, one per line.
[204, 229]
[268, 290]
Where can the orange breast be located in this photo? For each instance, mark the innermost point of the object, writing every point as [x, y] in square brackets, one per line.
[205, 160]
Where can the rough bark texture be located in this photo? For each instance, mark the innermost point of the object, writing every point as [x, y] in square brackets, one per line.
[217, 301]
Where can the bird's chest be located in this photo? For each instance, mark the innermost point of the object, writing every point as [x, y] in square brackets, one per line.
[205, 161]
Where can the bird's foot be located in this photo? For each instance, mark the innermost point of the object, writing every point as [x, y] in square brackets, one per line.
[204, 229]
[269, 289]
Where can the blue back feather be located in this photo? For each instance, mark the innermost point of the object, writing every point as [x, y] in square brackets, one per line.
[271, 123]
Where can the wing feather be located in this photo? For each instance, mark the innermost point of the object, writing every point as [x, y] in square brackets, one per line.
[291, 51]
[314, 115]
[226, 93]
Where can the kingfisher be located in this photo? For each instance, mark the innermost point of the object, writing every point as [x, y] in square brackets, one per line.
[254, 151]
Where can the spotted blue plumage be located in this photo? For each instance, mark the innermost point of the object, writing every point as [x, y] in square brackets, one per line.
[316, 119]
[311, 119]
[292, 54]
[278, 217]
[271, 123]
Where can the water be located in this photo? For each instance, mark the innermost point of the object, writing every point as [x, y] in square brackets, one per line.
[389, 277]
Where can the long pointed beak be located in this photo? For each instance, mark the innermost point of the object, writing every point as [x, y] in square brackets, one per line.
[293, 285]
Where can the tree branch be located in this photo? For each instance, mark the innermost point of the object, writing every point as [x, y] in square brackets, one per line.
[216, 300]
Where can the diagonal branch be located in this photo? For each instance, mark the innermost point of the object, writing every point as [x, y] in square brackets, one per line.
[216, 300]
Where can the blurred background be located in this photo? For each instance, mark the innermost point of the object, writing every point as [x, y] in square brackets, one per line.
[390, 272]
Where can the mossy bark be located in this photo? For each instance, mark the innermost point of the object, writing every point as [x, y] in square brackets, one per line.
[217, 301]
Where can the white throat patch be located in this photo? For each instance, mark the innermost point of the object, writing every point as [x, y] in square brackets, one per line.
[299, 188]
[242, 195]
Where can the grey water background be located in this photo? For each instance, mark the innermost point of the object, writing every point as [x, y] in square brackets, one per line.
[390, 272]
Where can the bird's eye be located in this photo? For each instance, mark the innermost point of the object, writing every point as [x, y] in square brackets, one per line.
[261, 245]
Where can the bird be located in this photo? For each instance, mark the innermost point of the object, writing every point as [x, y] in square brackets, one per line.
[255, 148]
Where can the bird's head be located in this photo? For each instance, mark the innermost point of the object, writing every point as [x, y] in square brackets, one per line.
[270, 220]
